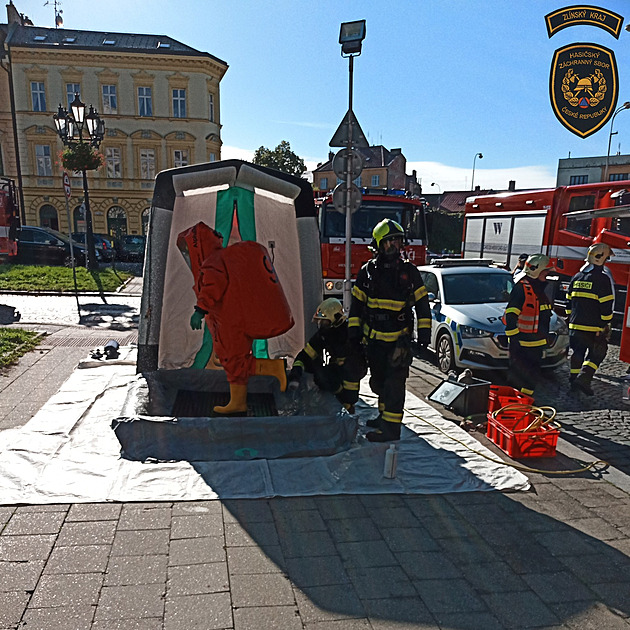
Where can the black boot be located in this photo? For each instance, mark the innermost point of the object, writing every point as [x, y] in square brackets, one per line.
[388, 432]
[583, 384]
[375, 423]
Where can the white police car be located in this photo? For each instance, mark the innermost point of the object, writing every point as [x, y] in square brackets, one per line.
[468, 299]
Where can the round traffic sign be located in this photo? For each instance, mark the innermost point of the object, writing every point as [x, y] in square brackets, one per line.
[339, 197]
[347, 158]
[66, 185]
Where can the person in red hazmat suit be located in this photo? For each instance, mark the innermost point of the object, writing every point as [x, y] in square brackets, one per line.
[227, 282]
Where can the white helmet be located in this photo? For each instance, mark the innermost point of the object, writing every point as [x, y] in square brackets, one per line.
[598, 254]
[330, 310]
[536, 264]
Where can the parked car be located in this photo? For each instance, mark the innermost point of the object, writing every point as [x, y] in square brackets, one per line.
[130, 247]
[43, 246]
[468, 300]
[102, 242]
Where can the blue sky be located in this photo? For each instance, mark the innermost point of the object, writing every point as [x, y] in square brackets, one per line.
[441, 79]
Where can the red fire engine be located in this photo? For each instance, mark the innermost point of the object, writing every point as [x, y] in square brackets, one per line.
[9, 220]
[377, 204]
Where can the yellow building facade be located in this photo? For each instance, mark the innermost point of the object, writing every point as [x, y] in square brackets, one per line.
[159, 99]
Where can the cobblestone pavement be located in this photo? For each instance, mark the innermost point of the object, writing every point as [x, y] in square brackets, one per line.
[599, 424]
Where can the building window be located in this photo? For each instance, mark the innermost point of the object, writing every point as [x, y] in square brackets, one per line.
[110, 102]
[211, 107]
[71, 90]
[112, 160]
[116, 222]
[43, 161]
[376, 180]
[213, 157]
[180, 157]
[179, 103]
[48, 217]
[617, 177]
[147, 163]
[323, 183]
[145, 104]
[574, 180]
[38, 96]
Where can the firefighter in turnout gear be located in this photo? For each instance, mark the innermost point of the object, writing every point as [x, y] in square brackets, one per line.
[386, 291]
[591, 300]
[334, 363]
[526, 320]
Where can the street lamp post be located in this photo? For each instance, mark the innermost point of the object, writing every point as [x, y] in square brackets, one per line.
[626, 105]
[78, 128]
[351, 38]
[472, 183]
[439, 187]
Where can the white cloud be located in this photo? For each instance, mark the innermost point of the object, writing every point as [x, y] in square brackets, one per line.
[234, 153]
[454, 178]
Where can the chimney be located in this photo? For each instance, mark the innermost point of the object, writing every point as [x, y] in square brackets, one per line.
[396, 151]
[512, 185]
[477, 188]
[331, 155]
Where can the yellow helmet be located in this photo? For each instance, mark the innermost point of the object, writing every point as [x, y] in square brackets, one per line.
[536, 264]
[330, 310]
[598, 254]
[386, 229]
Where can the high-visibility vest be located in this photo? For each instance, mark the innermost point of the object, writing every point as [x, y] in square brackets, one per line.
[529, 316]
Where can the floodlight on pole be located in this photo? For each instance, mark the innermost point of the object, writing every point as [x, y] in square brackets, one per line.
[351, 36]
[626, 105]
[472, 183]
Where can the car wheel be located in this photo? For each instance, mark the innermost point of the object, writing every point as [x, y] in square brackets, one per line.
[67, 261]
[445, 353]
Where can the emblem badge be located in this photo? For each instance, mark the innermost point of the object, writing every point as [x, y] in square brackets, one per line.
[583, 87]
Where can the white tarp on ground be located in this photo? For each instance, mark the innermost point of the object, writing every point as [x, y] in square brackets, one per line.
[68, 453]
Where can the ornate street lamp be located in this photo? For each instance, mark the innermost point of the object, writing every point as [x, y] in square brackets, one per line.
[82, 133]
[472, 183]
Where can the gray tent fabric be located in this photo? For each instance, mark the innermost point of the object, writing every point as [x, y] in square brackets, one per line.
[68, 453]
[285, 216]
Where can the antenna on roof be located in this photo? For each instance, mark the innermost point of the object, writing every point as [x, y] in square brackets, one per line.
[58, 12]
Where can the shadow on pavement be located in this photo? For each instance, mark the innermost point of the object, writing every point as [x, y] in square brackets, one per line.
[114, 316]
[460, 561]
[9, 315]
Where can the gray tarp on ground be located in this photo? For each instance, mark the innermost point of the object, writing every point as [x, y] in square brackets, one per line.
[68, 453]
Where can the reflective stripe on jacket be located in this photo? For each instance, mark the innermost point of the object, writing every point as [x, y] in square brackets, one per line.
[528, 315]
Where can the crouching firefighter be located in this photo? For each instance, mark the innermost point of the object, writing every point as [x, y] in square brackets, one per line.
[334, 363]
[386, 291]
[526, 320]
[591, 301]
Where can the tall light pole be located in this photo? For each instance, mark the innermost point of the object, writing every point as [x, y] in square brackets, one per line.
[626, 105]
[76, 128]
[472, 183]
[351, 38]
[439, 187]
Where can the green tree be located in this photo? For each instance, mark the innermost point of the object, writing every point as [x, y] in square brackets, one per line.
[281, 158]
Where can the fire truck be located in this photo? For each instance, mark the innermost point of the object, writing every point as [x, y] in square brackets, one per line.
[560, 222]
[377, 204]
[9, 220]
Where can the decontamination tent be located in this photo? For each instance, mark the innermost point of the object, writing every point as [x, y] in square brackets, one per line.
[244, 202]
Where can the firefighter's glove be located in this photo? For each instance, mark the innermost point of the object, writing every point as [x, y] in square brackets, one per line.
[401, 354]
[605, 332]
[295, 375]
[197, 318]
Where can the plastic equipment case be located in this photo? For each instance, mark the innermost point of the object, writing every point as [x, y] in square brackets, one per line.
[464, 399]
